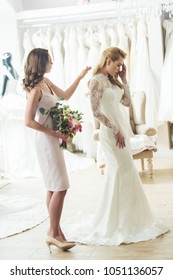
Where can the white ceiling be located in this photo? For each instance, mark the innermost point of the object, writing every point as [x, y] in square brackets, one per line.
[26, 5]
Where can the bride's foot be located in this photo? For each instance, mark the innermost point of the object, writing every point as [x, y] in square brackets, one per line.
[63, 245]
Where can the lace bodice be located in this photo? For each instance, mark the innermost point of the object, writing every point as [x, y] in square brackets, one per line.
[98, 86]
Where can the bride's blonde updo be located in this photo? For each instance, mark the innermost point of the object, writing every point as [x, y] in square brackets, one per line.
[114, 54]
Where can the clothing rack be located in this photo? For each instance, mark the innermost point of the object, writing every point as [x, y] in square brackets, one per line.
[80, 14]
[64, 15]
[125, 9]
[49, 21]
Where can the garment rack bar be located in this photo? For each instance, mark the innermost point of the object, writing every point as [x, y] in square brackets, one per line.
[78, 13]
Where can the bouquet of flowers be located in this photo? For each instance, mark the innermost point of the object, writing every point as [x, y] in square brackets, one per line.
[65, 120]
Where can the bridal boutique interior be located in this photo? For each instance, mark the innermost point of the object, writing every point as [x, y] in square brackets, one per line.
[75, 33]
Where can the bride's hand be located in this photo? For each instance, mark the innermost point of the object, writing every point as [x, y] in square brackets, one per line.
[120, 141]
[122, 74]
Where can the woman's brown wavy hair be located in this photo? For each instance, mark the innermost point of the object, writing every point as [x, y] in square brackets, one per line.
[35, 67]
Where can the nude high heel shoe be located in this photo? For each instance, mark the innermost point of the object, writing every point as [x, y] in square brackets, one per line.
[69, 241]
[61, 245]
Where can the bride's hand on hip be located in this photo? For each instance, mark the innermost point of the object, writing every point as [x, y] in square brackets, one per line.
[120, 141]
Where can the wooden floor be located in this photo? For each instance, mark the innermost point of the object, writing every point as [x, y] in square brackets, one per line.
[83, 194]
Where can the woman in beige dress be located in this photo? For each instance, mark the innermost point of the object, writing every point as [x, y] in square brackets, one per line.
[41, 92]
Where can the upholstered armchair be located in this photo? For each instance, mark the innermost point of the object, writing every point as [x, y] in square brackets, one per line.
[142, 137]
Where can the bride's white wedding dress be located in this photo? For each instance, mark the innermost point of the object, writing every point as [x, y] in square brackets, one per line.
[123, 214]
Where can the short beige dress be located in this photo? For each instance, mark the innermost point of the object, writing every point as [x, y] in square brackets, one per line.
[49, 153]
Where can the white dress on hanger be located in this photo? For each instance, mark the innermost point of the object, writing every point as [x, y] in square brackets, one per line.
[94, 47]
[74, 101]
[46, 44]
[122, 214]
[144, 78]
[112, 31]
[166, 92]
[73, 65]
[57, 72]
[82, 53]
[38, 39]
[27, 45]
[132, 59]
[47, 36]
[82, 89]
[123, 44]
[66, 45]
[18, 149]
[89, 145]
[103, 37]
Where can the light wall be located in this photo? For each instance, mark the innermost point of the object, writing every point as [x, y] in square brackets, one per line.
[9, 34]
[25, 5]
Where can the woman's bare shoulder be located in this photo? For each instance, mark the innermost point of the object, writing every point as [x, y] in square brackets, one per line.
[35, 92]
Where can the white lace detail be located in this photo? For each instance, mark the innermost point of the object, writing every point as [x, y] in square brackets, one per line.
[126, 99]
[97, 86]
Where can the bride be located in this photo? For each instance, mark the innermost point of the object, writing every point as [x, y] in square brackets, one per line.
[123, 214]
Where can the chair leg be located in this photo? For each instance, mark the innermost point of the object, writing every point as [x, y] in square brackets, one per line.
[142, 164]
[102, 169]
[150, 167]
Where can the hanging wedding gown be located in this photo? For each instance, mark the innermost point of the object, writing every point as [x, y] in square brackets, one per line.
[73, 50]
[166, 93]
[112, 31]
[123, 44]
[27, 45]
[66, 45]
[132, 55]
[57, 72]
[47, 36]
[103, 37]
[38, 39]
[82, 90]
[144, 78]
[123, 214]
[18, 150]
[89, 145]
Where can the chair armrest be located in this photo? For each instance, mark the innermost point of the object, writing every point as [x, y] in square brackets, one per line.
[143, 129]
[96, 123]
[96, 135]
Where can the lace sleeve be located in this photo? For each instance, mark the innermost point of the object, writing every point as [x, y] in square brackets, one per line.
[126, 99]
[96, 90]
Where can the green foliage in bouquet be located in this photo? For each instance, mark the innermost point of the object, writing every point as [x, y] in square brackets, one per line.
[65, 120]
